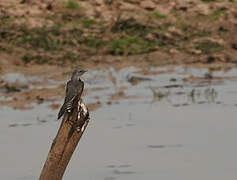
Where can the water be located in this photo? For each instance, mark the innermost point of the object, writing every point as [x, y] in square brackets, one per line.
[158, 129]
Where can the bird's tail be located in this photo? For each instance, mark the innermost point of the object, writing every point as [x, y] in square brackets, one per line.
[62, 111]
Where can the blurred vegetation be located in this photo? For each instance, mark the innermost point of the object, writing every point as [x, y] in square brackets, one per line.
[72, 36]
[158, 15]
[207, 1]
[71, 4]
[208, 47]
[131, 45]
[215, 15]
[109, 2]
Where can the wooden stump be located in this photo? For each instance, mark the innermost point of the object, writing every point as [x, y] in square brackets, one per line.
[65, 143]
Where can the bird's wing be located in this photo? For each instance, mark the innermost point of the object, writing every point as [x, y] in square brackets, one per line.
[80, 88]
[71, 94]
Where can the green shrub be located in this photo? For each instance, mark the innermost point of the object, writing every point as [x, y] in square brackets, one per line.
[71, 4]
[131, 45]
[208, 47]
[216, 14]
[158, 15]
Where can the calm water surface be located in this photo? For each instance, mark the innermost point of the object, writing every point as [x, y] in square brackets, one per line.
[163, 128]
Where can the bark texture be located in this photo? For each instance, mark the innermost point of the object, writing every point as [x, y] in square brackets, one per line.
[65, 143]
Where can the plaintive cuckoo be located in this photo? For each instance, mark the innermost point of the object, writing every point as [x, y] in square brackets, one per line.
[74, 90]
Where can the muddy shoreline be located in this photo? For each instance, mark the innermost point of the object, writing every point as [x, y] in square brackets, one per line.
[25, 88]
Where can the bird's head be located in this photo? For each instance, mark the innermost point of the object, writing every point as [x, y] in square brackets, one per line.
[77, 74]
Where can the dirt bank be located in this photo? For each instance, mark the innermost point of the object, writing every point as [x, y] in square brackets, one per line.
[120, 33]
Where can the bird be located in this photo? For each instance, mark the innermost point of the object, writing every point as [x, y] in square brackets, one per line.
[74, 89]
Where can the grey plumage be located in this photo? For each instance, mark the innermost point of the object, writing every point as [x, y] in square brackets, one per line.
[74, 90]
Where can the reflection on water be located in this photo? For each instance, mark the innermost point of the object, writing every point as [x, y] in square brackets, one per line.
[193, 96]
[166, 123]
